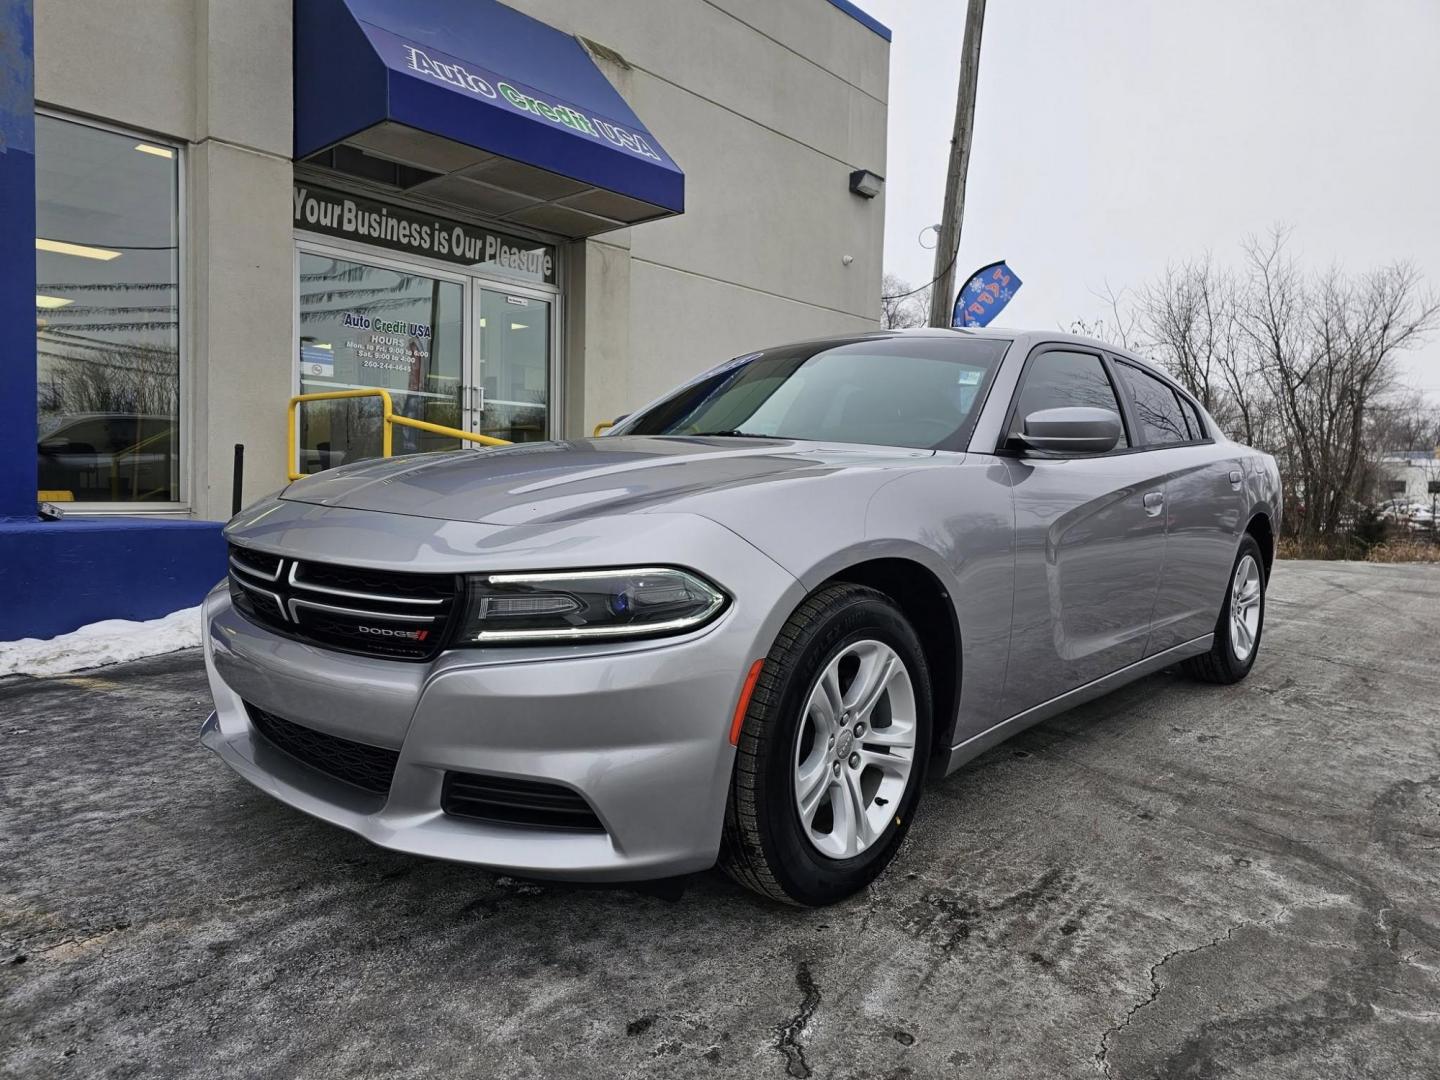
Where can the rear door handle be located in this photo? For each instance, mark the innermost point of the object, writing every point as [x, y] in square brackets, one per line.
[1236, 476]
[1154, 502]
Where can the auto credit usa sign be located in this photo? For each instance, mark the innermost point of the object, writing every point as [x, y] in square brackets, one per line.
[429, 63]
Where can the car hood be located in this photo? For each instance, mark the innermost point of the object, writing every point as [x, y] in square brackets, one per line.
[533, 483]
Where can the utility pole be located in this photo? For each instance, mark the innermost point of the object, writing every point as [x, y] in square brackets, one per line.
[942, 297]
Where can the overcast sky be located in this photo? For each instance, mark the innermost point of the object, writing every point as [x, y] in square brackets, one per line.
[1113, 136]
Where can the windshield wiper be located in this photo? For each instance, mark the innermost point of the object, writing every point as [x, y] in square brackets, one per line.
[735, 434]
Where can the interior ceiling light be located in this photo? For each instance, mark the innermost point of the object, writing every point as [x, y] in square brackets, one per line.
[50, 302]
[158, 151]
[61, 247]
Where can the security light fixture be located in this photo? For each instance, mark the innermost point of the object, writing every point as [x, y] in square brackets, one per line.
[865, 183]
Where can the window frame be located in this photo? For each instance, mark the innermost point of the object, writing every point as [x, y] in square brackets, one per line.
[186, 472]
[1006, 444]
[471, 283]
[1181, 399]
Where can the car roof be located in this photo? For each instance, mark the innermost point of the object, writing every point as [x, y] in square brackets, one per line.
[1026, 339]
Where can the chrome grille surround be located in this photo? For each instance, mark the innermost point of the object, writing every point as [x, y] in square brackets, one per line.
[393, 615]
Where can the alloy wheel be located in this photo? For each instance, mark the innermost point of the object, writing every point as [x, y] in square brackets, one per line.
[854, 748]
[1245, 600]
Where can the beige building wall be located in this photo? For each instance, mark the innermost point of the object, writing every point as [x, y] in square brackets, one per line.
[766, 106]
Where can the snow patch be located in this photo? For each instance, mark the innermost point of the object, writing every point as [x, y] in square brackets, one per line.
[113, 641]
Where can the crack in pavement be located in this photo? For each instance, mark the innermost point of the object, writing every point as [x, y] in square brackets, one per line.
[1102, 1057]
[788, 1042]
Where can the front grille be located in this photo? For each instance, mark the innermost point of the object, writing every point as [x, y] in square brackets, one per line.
[516, 802]
[390, 614]
[368, 767]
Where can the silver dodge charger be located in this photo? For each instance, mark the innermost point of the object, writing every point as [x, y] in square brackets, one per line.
[746, 623]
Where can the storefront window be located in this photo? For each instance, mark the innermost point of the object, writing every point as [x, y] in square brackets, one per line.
[107, 314]
[367, 326]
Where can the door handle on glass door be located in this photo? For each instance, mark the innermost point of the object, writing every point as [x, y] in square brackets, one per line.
[1154, 502]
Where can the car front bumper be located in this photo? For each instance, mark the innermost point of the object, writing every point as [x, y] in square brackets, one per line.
[640, 730]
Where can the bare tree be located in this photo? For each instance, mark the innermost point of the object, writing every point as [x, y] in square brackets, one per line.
[1329, 349]
[1189, 322]
[902, 307]
[1406, 420]
[1301, 365]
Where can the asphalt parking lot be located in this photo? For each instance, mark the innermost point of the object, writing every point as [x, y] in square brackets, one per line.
[1177, 880]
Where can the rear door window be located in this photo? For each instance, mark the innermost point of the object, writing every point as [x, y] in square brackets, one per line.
[1157, 407]
[1192, 418]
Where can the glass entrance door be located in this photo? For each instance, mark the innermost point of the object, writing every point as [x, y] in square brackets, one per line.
[510, 392]
[368, 325]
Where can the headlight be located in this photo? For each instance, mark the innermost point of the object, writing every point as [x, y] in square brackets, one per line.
[576, 604]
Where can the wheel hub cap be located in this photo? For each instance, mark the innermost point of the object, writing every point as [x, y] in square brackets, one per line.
[854, 748]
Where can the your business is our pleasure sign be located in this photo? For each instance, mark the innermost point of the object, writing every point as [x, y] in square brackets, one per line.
[400, 228]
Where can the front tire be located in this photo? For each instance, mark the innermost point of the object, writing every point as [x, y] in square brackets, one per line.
[832, 752]
[1242, 619]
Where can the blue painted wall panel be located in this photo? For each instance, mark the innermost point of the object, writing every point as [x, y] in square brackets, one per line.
[17, 260]
[56, 576]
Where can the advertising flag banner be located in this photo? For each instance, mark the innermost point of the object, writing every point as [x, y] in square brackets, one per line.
[985, 295]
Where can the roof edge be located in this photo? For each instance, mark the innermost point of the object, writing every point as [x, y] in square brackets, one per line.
[867, 21]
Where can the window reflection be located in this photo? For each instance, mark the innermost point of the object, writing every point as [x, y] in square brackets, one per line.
[369, 326]
[1156, 406]
[514, 365]
[106, 315]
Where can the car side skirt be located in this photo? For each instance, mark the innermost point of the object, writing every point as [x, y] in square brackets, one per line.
[977, 744]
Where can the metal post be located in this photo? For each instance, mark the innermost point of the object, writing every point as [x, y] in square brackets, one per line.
[237, 480]
[18, 429]
[947, 246]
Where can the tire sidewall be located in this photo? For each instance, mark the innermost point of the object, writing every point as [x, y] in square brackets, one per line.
[804, 872]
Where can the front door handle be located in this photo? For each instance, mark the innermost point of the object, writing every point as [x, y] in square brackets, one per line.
[1154, 503]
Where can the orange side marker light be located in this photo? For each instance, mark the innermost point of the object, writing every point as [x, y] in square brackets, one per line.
[743, 705]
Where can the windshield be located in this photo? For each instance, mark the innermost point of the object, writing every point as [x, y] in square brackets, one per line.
[904, 391]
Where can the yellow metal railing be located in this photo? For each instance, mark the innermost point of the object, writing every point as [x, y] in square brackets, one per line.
[388, 417]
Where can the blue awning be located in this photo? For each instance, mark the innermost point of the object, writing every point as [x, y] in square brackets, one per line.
[473, 103]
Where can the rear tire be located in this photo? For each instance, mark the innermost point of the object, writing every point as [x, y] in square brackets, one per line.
[848, 764]
[1242, 620]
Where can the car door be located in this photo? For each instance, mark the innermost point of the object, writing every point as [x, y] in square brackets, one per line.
[1089, 539]
[1204, 502]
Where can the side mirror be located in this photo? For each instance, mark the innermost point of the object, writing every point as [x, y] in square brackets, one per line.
[1073, 430]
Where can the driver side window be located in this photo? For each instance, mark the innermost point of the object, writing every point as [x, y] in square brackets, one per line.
[1061, 379]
